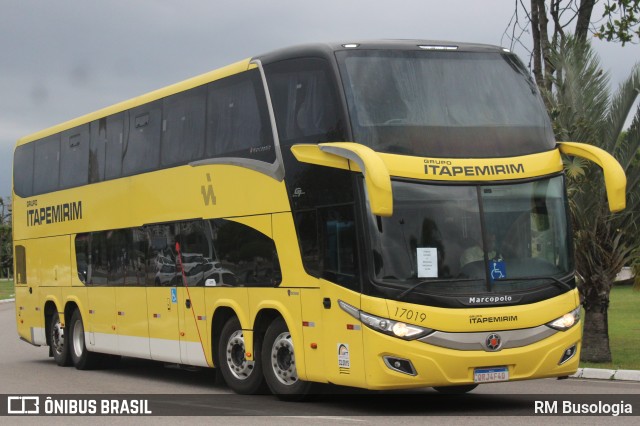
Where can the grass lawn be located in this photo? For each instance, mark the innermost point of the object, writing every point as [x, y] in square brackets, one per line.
[624, 330]
[6, 289]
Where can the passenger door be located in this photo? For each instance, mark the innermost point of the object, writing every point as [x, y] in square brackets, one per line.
[344, 361]
[162, 294]
[196, 254]
[128, 254]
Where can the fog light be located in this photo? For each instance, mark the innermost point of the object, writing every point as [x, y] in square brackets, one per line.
[400, 365]
[568, 354]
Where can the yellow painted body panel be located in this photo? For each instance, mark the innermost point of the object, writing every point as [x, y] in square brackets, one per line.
[439, 169]
[101, 319]
[154, 198]
[436, 366]
[164, 325]
[474, 169]
[195, 344]
[473, 319]
[131, 320]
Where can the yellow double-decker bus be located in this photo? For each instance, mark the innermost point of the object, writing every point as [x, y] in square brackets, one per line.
[381, 215]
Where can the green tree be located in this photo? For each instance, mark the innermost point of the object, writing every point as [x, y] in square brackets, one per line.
[549, 21]
[6, 249]
[583, 111]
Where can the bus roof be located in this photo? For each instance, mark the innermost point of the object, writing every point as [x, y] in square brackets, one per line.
[324, 49]
[306, 50]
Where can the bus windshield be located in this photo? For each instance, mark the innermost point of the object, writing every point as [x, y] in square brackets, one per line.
[466, 240]
[444, 104]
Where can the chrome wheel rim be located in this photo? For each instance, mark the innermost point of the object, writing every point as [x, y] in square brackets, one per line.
[237, 362]
[283, 360]
[57, 337]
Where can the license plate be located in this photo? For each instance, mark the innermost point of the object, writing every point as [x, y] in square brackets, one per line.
[494, 374]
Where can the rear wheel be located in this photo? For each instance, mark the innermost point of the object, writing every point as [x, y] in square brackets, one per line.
[81, 357]
[241, 375]
[455, 390]
[58, 341]
[279, 362]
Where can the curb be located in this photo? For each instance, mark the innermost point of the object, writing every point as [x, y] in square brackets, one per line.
[603, 374]
[7, 300]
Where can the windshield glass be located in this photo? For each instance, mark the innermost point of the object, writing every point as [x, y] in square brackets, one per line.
[444, 104]
[455, 240]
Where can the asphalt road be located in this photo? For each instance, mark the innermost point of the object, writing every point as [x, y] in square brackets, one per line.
[25, 369]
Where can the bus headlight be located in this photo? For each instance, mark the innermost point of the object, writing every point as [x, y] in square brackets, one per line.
[386, 325]
[566, 321]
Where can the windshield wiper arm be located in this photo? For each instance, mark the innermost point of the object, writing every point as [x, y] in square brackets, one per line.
[453, 280]
[560, 284]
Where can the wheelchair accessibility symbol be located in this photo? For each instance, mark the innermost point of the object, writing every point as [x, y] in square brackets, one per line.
[498, 269]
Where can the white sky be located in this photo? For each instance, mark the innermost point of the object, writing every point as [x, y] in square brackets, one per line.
[65, 58]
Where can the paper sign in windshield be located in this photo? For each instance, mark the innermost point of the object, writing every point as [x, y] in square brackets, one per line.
[427, 262]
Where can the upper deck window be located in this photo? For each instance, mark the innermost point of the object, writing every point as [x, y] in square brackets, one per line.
[238, 119]
[305, 101]
[444, 104]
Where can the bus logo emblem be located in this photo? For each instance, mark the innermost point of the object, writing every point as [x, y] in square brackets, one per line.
[207, 192]
[493, 342]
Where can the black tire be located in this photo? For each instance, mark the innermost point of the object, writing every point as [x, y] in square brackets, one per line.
[58, 342]
[81, 357]
[242, 376]
[279, 363]
[455, 390]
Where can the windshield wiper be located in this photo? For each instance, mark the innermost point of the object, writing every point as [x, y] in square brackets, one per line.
[559, 283]
[452, 280]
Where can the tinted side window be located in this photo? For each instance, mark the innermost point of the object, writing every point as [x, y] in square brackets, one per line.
[196, 250]
[124, 259]
[307, 226]
[46, 165]
[338, 239]
[21, 265]
[238, 119]
[184, 127]
[23, 170]
[327, 238]
[305, 101]
[105, 158]
[113, 258]
[74, 157]
[83, 257]
[141, 152]
[247, 254]
[92, 260]
[162, 270]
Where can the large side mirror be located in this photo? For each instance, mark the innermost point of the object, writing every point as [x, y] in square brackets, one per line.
[615, 180]
[356, 157]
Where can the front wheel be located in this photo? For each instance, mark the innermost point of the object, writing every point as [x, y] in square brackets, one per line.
[279, 363]
[241, 375]
[58, 341]
[81, 357]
